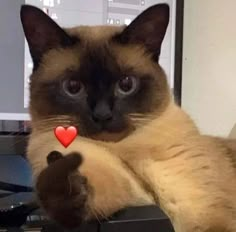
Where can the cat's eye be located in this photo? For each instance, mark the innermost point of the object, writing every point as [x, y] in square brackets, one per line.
[126, 86]
[72, 87]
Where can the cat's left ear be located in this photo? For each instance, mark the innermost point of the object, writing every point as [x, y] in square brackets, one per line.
[148, 29]
[41, 32]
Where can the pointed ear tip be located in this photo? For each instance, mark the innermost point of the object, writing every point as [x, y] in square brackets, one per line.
[164, 7]
[161, 9]
[28, 8]
[24, 9]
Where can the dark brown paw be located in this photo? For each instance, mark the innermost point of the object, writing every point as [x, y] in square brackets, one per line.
[62, 191]
[54, 156]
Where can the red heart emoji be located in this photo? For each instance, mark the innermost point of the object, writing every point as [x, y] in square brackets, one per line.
[65, 135]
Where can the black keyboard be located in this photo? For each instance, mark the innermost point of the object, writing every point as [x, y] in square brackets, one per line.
[136, 219]
[28, 217]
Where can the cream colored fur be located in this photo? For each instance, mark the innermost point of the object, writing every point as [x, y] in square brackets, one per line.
[188, 174]
[166, 161]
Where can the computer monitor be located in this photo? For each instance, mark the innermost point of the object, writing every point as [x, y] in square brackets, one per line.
[15, 61]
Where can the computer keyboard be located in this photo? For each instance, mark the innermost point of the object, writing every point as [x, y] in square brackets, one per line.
[136, 219]
[16, 215]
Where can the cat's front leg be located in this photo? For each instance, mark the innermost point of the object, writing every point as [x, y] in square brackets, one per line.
[62, 191]
[75, 188]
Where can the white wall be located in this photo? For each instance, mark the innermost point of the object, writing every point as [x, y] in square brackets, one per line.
[209, 64]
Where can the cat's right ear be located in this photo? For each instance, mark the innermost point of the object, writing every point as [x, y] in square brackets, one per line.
[41, 32]
[148, 29]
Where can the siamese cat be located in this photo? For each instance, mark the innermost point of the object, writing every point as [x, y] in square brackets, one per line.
[135, 145]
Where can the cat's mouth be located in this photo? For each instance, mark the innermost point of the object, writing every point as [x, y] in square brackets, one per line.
[112, 131]
[112, 136]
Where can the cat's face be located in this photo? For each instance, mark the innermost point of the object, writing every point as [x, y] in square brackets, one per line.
[105, 80]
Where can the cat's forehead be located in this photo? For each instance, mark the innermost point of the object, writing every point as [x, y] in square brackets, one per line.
[94, 33]
[94, 47]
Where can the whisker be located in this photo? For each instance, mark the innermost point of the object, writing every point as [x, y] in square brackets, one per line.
[49, 123]
[95, 215]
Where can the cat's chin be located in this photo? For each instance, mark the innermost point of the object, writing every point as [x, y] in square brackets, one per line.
[111, 136]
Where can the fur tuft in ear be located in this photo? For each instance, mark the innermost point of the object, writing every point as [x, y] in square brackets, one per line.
[148, 29]
[41, 32]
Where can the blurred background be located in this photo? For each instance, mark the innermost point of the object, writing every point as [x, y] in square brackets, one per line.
[209, 62]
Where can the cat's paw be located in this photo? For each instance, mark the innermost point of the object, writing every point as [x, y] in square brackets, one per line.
[62, 190]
